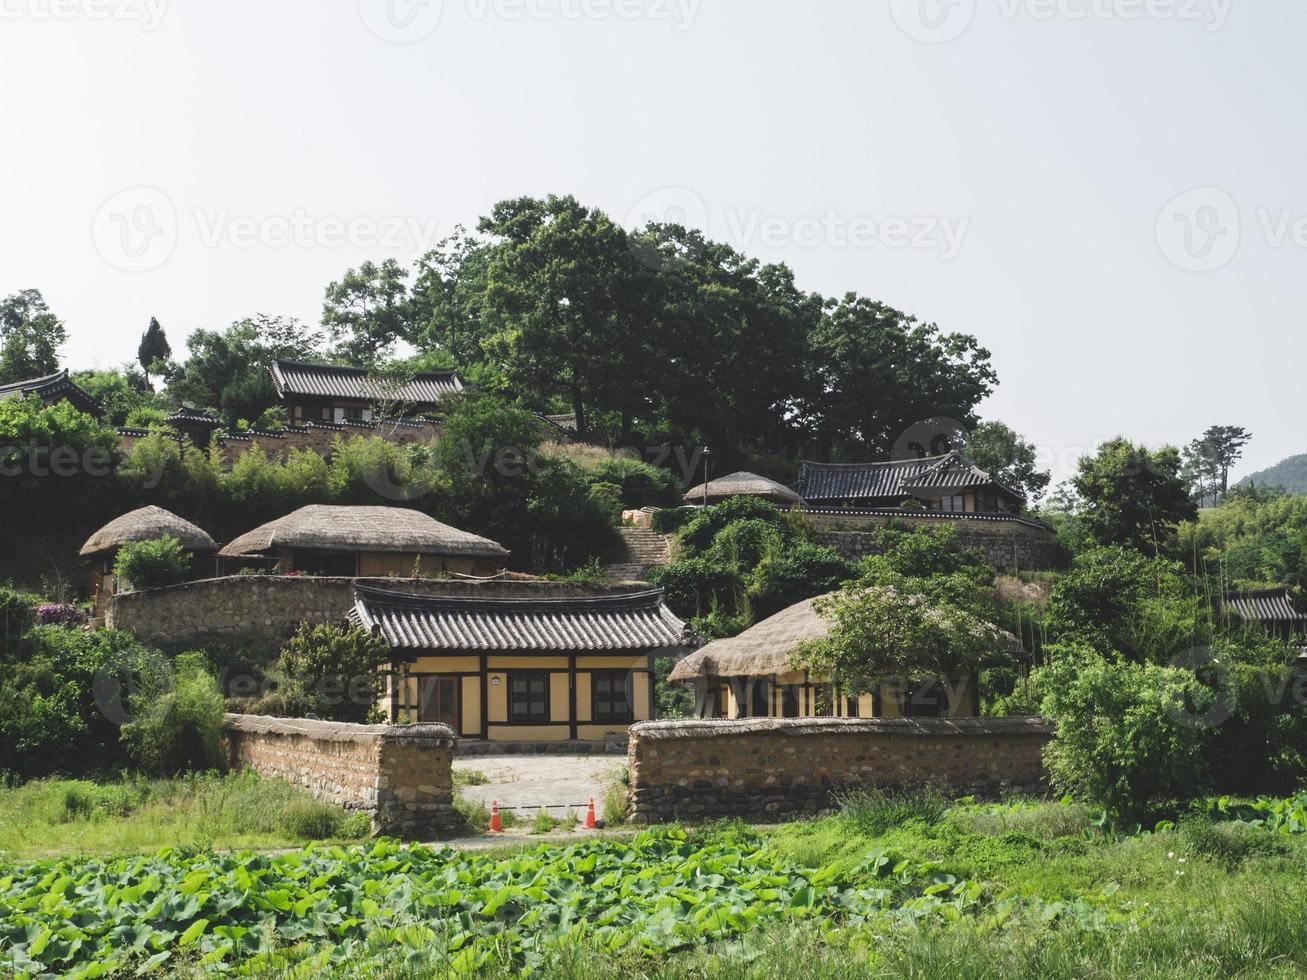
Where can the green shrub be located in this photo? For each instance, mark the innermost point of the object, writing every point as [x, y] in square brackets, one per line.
[639, 484]
[312, 820]
[1229, 844]
[152, 564]
[335, 671]
[694, 586]
[17, 613]
[607, 497]
[802, 571]
[1129, 736]
[700, 532]
[177, 723]
[144, 416]
[671, 520]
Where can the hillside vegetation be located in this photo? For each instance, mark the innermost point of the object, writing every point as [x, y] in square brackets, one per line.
[1288, 474]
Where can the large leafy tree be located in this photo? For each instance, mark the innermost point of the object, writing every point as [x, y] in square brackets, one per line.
[1011, 459]
[119, 390]
[368, 311]
[565, 305]
[30, 337]
[1132, 495]
[447, 297]
[154, 347]
[880, 371]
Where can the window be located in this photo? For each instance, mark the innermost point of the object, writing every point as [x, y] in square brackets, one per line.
[528, 697]
[611, 692]
[353, 414]
[954, 505]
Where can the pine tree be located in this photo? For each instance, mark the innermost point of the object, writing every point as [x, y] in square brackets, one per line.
[154, 347]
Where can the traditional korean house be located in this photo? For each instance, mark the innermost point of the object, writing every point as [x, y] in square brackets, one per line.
[364, 542]
[949, 483]
[146, 524]
[195, 424]
[522, 669]
[323, 393]
[54, 388]
[752, 676]
[743, 485]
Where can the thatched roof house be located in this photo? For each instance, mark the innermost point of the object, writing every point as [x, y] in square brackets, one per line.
[147, 524]
[367, 541]
[752, 674]
[744, 485]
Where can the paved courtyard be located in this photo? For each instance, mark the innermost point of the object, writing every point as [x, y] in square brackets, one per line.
[527, 783]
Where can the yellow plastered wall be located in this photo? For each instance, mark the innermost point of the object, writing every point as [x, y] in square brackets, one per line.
[960, 697]
[891, 701]
[641, 709]
[446, 665]
[559, 706]
[584, 697]
[381, 564]
[471, 706]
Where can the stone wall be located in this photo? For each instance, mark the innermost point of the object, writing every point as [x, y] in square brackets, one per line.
[401, 776]
[264, 610]
[1010, 544]
[777, 769]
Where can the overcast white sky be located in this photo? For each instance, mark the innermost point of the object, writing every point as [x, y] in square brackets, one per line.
[1108, 193]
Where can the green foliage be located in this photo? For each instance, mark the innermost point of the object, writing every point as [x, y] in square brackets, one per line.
[1253, 539]
[146, 417]
[641, 485]
[607, 497]
[153, 349]
[871, 812]
[120, 391]
[152, 564]
[1011, 460]
[694, 586]
[1133, 496]
[1129, 736]
[176, 721]
[671, 520]
[53, 717]
[1125, 603]
[30, 337]
[17, 614]
[699, 535]
[336, 669]
[1290, 475]
[793, 574]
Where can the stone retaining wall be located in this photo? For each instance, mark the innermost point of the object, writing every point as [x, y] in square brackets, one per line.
[262, 611]
[777, 769]
[1010, 544]
[400, 775]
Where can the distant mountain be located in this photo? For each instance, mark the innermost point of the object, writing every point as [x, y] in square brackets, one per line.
[1290, 473]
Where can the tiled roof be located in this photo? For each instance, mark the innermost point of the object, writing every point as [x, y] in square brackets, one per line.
[325, 381]
[53, 387]
[897, 478]
[1265, 606]
[194, 416]
[636, 621]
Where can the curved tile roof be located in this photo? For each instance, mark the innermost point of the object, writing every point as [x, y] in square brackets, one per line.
[327, 381]
[634, 621]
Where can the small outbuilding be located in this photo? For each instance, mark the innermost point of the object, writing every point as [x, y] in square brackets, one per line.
[368, 542]
[743, 485]
[752, 676]
[145, 524]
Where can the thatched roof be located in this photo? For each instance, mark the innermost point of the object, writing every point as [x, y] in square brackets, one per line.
[147, 524]
[744, 485]
[764, 650]
[320, 527]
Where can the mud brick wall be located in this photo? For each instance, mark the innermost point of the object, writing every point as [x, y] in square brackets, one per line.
[1009, 544]
[778, 769]
[262, 611]
[400, 776]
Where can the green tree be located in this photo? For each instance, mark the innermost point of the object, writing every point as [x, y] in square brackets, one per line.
[176, 721]
[1208, 460]
[1132, 495]
[154, 347]
[152, 564]
[368, 311]
[1011, 459]
[119, 390]
[881, 371]
[30, 337]
[447, 298]
[337, 670]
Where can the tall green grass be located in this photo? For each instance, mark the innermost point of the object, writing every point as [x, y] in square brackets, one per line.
[55, 817]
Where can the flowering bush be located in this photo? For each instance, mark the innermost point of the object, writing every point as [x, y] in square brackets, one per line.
[57, 614]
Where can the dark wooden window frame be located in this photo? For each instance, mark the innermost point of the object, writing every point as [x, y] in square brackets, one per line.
[536, 714]
[623, 681]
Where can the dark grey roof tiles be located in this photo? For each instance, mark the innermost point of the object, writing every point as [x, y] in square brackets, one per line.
[1264, 605]
[325, 381]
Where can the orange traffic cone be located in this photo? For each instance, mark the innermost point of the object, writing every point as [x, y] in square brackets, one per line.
[496, 825]
[590, 823]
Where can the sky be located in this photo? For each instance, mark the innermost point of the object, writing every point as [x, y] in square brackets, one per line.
[1109, 194]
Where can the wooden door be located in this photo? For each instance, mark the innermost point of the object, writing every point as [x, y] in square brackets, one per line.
[438, 700]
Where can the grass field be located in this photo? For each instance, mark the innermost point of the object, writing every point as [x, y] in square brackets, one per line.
[895, 887]
[59, 817]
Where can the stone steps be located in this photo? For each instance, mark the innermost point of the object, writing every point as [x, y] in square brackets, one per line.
[642, 550]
